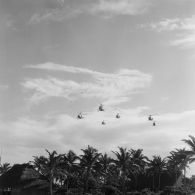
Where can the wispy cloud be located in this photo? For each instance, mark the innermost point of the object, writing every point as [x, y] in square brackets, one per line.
[184, 28]
[185, 41]
[55, 15]
[174, 24]
[105, 8]
[73, 69]
[111, 88]
[121, 7]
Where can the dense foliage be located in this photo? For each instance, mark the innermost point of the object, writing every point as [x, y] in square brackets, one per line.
[126, 171]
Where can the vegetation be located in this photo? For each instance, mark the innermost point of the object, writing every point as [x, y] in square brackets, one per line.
[4, 168]
[126, 171]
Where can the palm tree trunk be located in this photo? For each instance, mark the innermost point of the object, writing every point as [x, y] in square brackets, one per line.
[175, 181]
[153, 182]
[184, 178]
[123, 186]
[67, 187]
[51, 178]
[159, 177]
[86, 180]
[86, 183]
[135, 181]
[51, 185]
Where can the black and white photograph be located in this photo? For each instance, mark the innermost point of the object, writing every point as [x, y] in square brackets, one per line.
[97, 97]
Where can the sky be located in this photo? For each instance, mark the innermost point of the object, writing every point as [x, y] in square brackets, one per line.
[62, 57]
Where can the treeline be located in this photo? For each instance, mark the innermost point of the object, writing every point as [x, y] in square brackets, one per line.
[128, 170]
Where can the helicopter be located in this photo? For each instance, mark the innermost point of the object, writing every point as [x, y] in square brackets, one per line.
[103, 122]
[154, 123]
[101, 108]
[80, 116]
[118, 115]
[150, 118]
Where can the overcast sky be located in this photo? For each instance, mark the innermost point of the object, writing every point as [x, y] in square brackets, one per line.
[62, 57]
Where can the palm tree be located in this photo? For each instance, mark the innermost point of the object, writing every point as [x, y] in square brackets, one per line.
[191, 143]
[179, 160]
[122, 162]
[69, 167]
[138, 157]
[104, 162]
[38, 163]
[183, 158]
[87, 164]
[156, 166]
[173, 165]
[71, 159]
[4, 168]
[48, 166]
[190, 154]
[138, 161]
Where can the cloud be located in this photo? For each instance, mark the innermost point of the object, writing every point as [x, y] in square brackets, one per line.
[57, 67]
[186, 41]
[121, 7]
[184, 28]
[174, 24]
[106, 8]
[111, 88]
[25, 134]
[63, 132]
[54, 15]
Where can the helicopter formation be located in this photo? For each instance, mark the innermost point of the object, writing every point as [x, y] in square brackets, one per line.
[117, 116]
[100, 109]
